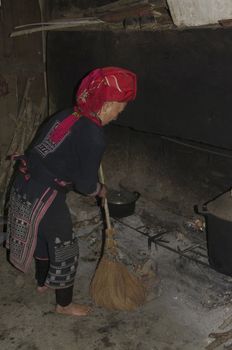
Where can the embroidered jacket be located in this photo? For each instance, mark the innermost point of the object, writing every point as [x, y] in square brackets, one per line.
[75, 159]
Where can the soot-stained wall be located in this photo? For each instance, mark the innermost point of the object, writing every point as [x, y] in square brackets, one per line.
[184, 77]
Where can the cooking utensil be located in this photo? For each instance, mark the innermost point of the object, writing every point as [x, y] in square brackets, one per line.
[122, 203]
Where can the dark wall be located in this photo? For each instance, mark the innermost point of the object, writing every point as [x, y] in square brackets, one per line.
[184, 77]
[20, 59]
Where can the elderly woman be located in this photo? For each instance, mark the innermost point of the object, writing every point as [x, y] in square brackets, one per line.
[64, 156]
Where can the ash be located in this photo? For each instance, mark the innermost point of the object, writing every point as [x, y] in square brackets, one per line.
[187, 300]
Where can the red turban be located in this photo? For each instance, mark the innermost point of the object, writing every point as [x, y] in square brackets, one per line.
[103, 85]
[100, 86]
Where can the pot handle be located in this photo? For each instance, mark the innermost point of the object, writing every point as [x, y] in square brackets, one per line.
[137, 195]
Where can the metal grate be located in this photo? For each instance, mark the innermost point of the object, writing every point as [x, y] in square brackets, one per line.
[196, 252]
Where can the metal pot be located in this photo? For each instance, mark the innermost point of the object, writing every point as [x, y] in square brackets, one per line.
[122, 203]
[217, 214]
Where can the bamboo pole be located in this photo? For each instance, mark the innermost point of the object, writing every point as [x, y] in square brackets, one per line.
[44, 49]
[79, 23]
[58, 22]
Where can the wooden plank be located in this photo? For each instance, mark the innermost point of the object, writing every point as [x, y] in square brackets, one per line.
[124, 12]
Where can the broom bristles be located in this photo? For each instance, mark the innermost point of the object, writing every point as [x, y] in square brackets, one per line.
[115, 288]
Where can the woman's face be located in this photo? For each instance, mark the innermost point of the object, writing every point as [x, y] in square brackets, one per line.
[110, 111]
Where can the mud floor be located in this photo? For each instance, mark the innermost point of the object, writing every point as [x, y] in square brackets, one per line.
[187, 300]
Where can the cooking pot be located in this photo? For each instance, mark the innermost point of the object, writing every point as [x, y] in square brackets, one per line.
[122, 203]
[218, 218]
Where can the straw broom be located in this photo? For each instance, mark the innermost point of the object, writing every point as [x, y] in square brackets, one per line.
[113, 286]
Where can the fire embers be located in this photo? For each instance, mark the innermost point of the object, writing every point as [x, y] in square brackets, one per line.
[3, 86]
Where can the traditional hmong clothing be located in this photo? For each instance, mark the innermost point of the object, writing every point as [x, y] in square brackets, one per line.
[39, 221]
[65, 155]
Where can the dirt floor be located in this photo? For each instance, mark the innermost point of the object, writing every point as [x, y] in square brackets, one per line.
[187, 300]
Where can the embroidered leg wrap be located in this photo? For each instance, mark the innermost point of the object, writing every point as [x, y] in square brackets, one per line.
[63, 264]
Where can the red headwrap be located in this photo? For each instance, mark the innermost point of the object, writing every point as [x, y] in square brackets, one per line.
[100, 86]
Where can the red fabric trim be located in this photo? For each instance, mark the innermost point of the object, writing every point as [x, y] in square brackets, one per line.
[93, 118]
[63, 128]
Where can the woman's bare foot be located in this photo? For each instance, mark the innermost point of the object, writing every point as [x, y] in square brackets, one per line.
[42, 289]
[74, 310]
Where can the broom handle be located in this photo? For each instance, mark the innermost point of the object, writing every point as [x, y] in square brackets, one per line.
[106, 208]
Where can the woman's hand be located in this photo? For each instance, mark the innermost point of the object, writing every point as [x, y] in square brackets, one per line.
[103, 191]
[102, 194]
